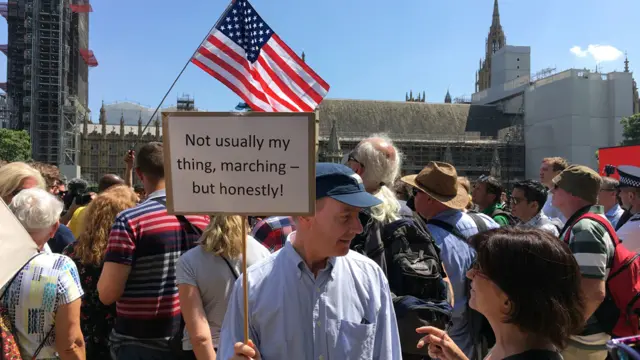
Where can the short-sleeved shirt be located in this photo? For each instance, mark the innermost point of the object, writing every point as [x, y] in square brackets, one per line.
[150, 241]
[46, 282]
[77, 221]
[214, 280]
[593, 249]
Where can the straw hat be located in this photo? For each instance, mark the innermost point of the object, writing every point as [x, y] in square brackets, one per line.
[440, 181]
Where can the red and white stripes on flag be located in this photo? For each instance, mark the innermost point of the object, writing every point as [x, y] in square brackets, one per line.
[244, 54]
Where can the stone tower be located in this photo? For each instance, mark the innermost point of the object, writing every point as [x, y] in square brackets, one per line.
[447, 97]
[495, 41]
[333, 152]
[636, 96]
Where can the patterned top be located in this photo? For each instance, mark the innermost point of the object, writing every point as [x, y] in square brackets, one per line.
[48, 281]
[543, 222]
[593, 249]
[150, 241]
[272, 232]
[96, 319]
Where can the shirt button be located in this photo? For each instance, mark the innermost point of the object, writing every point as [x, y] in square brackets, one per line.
[318, 289]
[318, 323]
[320, 357]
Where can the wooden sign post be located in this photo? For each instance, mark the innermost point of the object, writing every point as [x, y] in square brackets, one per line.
[240, 164]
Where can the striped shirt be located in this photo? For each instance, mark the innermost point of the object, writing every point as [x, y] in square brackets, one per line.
[150, 241]
[593, 249]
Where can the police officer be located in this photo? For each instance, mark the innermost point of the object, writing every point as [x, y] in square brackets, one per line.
[628, 228]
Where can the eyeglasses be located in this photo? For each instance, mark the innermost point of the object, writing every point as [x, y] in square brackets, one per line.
[516, 201]
[351, 158]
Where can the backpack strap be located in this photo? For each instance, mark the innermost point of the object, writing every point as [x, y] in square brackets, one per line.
[7, 289]
[18, 272]
[192, 229]
[447, 227]
[605, 223]
[480, 223]
[233, 271]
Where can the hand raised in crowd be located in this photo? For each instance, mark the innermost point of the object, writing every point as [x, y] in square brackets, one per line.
[440, 344]
[245, 352]
[129, 157]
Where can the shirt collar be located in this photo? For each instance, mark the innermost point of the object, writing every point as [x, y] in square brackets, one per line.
[536, 219]
[491, 209]
[157, 194]
[447, 213]
[296, 260]
[613, 210]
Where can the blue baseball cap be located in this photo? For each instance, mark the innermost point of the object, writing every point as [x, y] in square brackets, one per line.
[340, 183]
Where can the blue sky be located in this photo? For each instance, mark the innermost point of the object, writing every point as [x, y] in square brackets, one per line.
[365, 49]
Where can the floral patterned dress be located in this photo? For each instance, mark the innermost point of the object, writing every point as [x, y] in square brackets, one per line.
[96, 319]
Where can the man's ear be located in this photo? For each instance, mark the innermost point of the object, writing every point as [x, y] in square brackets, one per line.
[139, 173]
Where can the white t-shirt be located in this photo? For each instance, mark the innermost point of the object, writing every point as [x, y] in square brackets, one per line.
[213, 278]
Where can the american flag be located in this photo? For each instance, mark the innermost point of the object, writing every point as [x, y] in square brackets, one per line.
[244, 53]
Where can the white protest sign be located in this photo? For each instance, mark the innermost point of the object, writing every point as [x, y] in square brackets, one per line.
[16, 245]
[242, 164]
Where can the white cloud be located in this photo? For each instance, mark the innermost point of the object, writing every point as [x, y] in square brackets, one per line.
[599, 53]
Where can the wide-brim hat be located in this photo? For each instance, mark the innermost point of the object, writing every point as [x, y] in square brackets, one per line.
[440, 181]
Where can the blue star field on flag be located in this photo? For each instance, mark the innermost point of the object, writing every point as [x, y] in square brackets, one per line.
[242, 24]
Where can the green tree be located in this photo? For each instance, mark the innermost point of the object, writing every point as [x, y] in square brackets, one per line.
[15, 145]
[631, 130]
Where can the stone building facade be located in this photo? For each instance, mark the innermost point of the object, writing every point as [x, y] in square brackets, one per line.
[477, 140]
[103, 146]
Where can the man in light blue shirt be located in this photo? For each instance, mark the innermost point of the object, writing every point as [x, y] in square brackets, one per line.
[441, 200]
[608, 198]
[315, 299]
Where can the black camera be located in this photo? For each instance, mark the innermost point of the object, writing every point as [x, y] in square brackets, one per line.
[78, 190]
[609, 170]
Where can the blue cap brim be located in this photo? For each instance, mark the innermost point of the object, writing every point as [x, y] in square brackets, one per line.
[359, 200]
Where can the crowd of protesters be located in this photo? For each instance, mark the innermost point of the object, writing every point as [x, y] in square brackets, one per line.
[429, 265]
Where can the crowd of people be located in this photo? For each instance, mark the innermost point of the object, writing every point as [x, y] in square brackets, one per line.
[429, 265]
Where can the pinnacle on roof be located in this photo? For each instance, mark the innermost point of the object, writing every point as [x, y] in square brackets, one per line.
[334, 143]
[496, 14]
[626, 62]
[447, 97]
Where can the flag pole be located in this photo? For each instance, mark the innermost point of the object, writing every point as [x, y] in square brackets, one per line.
[180, 74]
[245, 282]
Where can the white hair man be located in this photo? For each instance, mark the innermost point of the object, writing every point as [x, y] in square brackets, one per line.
[378, 163]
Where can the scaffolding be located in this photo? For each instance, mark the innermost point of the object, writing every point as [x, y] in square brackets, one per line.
[472, 156]
[185, 103]
[47, 76]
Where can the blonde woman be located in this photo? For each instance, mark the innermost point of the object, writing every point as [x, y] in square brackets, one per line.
[97, 319]
[18, 176]
[205, 277]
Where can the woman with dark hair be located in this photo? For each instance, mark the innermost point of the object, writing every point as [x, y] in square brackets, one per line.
[527, 284]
